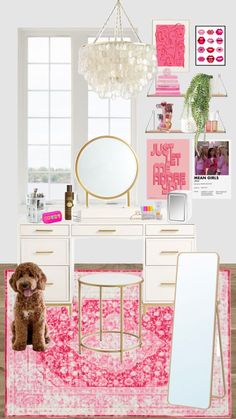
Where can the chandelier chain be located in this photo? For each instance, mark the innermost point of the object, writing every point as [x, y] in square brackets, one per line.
[105, 24]
[132, 27]
[118, 26]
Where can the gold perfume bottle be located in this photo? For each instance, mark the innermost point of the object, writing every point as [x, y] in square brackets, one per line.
[69, 198]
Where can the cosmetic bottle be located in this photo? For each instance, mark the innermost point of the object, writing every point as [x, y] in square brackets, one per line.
[69, 197]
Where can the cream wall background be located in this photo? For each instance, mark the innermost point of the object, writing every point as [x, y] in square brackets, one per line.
[215, 219]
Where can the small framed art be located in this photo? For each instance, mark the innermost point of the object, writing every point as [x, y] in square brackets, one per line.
[171, 39]
[210, 45]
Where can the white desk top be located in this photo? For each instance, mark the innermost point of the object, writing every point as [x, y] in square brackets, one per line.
[106, 215]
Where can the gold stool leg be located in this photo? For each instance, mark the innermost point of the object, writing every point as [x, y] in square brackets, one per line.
[140, 315]
[80, 314]
[100, 311]
[121, 324]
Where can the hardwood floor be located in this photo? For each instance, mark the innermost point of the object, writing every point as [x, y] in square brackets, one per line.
[233, 334]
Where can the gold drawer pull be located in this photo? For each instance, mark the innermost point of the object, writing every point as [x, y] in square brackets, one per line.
[169, 252]
[167, 284]
[169, 230]
[106, 230]
[42, 252]
[43, 230]
[49, 283]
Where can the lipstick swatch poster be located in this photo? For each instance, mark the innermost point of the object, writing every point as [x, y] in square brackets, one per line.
[167, 167]
[210, 45]
[171, 39]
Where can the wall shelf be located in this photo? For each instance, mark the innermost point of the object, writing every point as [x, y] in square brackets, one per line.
[178, 131]
[183, 94]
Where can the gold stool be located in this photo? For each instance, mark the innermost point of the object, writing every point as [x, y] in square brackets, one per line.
[110, 280]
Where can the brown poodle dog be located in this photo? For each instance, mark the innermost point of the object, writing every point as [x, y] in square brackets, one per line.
[29, 326]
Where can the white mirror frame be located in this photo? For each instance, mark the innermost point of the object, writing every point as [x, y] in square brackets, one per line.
[193, 339]
[92, 193]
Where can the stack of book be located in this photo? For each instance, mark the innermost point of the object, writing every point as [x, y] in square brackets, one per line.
[167, 85]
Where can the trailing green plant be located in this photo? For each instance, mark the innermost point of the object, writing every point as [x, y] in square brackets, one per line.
[197, 100]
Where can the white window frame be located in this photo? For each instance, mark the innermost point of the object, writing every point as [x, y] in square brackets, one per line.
[79, 104]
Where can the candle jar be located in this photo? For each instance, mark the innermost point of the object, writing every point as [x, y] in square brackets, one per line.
[212, 123]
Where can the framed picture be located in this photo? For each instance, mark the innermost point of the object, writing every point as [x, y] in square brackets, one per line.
[171, 39]
[210, 45]
[167, 167]
[212, 170]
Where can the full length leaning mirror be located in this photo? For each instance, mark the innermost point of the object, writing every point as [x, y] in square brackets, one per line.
[191, 366]
[106, 167]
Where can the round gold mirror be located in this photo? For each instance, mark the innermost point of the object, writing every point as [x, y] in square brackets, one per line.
[106, 167]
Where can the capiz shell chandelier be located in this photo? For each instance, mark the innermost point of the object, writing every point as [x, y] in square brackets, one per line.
[117, 68]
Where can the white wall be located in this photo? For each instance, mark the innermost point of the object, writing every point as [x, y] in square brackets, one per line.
[215, 220]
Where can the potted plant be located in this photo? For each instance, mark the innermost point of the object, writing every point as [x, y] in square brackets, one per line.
[197, 100]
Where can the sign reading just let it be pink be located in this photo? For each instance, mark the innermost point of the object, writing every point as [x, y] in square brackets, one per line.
[167, 167]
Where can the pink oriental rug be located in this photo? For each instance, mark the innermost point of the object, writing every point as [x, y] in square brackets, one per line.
[62, 383]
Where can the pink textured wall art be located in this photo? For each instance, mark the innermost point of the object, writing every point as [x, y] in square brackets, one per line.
[171, 41]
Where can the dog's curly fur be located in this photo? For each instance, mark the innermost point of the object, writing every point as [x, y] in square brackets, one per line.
[29, 326]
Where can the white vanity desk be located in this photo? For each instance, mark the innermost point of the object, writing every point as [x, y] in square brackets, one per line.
[53, 246]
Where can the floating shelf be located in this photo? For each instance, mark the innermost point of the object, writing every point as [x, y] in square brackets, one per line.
[218, 86]
[183, 94]
[178, 131]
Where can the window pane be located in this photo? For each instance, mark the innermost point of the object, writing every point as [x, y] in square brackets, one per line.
[41, 186]
[96, 106]
[58, 190]
[38, 50]
[60, 104]
[121, 128]
[38, 131]
[60, 50]
[60, 157]
[97, 127]
[60, 177]
[38, 177]
[60, 131]
[38, 158]
[38, 104]
[38, 76]
[120, 107]
[60, 77]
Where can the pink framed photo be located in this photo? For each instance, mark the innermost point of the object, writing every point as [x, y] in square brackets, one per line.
[167, 167]
[171, 39]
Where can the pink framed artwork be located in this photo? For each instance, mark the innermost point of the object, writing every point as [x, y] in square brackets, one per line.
[171, 39]
[167, 167]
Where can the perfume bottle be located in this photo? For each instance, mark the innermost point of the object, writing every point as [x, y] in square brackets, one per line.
[69, 198]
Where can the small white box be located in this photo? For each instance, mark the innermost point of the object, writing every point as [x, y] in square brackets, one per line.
[179, 206]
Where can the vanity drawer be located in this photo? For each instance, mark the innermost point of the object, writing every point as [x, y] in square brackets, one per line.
[45, 251]
[44, 230]
[165, 251]
[160, 284]
[57, 285]
[170, 230]
[107, 230]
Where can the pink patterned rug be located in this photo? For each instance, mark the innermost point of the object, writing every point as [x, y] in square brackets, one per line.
[62, 383]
